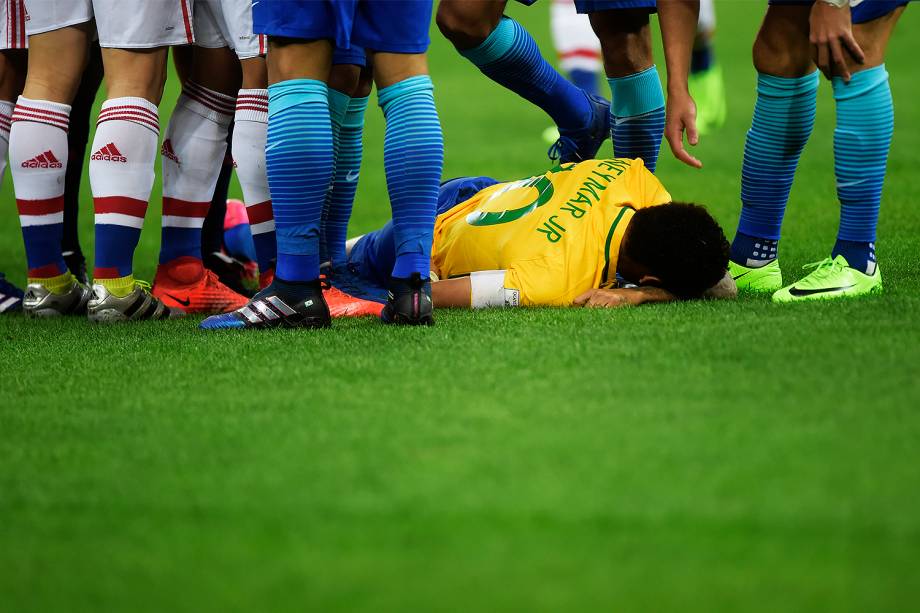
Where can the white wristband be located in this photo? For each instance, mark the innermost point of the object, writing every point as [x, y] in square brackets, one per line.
[487, 289]
[838, 3]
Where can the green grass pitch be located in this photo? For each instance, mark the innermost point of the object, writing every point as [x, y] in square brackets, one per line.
[694, 457]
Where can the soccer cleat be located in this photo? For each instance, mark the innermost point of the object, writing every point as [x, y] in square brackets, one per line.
[767, 278]
[140, 304]
[39, 301]
[708, 90]
[230, 271]
[345, 305]
[348, 279]
[10, 296]
[270, 308]
[831, 278]
[409, 302]
[185, 284]
[580, 145]
[76, 264]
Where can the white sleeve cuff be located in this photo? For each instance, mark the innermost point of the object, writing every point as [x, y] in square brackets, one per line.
[487, 289]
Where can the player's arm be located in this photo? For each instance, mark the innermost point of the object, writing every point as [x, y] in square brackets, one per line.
[623, 297]
[452, 293]
[479, 290]
[678, 19]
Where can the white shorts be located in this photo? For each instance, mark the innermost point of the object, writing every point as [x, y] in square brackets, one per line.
[12, 24]
[227, 23]
[122, 24]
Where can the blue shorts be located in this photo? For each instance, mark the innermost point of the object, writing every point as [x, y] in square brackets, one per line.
[394, 26]
[352, 55]
[595, 6]
[373, 256]
[862, 12]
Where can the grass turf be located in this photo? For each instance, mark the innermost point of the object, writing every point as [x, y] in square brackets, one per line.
[730, 456]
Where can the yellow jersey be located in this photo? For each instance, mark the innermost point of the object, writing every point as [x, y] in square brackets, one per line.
[555, 235]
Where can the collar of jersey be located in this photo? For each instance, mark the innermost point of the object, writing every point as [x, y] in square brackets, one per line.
[616, 231]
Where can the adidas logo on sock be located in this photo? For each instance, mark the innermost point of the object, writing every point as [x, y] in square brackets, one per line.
[43, 160]
[167, 151]
[109, 153]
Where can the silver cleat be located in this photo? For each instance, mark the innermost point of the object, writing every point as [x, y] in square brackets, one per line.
[38, 301]
[105, 307]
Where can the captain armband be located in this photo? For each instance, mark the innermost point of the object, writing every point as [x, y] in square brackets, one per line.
[487, 289]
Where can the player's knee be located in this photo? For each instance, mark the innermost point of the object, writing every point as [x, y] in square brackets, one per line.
[463, 24]
[626, 55]
[780, 57]
[345, 78]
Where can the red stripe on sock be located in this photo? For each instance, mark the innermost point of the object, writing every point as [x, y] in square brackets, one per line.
[208, 102]
[260, 212]
[48, 206]
[185, 208]
[46, 272]
[106, 273]
[590, 53]
[120, 204]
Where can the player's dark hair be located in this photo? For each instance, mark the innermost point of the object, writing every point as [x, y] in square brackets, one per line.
[681, 244]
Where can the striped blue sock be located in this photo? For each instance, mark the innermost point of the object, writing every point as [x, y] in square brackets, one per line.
[298, 158]
[784, 116]
[585, 80]
[413, 154]
[511, 58]
[345, 183]
[338, 107]
[637, 116]
[865, 124]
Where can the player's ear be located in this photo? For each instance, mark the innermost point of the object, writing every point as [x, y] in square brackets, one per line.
[650, 280]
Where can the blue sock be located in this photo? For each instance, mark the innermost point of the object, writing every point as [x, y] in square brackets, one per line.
[510, 57]
[865, 124]
[637, 116]
[784, 116]
[298, 158]
[43, 240]
[345, 183]
[413, 154]
[338, 107]
[585, 80]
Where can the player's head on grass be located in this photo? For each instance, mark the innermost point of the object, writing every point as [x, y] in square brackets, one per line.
[677, 246]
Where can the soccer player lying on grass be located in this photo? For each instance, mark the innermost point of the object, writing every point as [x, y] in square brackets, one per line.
[571, 236]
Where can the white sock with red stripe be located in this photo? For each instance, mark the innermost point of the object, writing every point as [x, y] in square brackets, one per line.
[192, 152]
[249, 135]
[121, 172]
[38, 162]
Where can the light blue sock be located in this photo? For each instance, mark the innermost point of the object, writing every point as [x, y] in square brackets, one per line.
[784, 116]
[298, 158]
[413, 154]
[345, 183]
[338, 107]
[862, 138]
[510, 57]
[637, 116]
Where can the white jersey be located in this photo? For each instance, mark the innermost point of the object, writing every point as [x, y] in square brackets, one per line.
[12, 24]
[227, 23]
[575, 41]
[120, 24]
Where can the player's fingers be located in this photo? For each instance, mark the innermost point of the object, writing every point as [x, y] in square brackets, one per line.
[853, 48]
[583, 298]
[822, 60]
[840, 65]
[693, 135]
[676, 142]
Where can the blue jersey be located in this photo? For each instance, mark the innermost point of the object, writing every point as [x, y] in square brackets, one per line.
[394, 26]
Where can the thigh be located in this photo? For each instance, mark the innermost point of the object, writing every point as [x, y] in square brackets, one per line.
[873, 37]
[12, 73]
[466, 24]
[392, 26]
[293, 58]
[57, 59]
[782, 47]
[626, 40]
[143, 25]
[217, 69]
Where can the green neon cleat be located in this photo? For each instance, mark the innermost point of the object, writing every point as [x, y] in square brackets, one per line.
[831, 278]
[767, 278]
[708, 90]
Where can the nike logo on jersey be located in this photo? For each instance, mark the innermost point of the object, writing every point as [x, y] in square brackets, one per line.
[824, 290]
[352, 176]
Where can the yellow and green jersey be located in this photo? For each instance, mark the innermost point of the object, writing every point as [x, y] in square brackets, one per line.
[555, 235]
